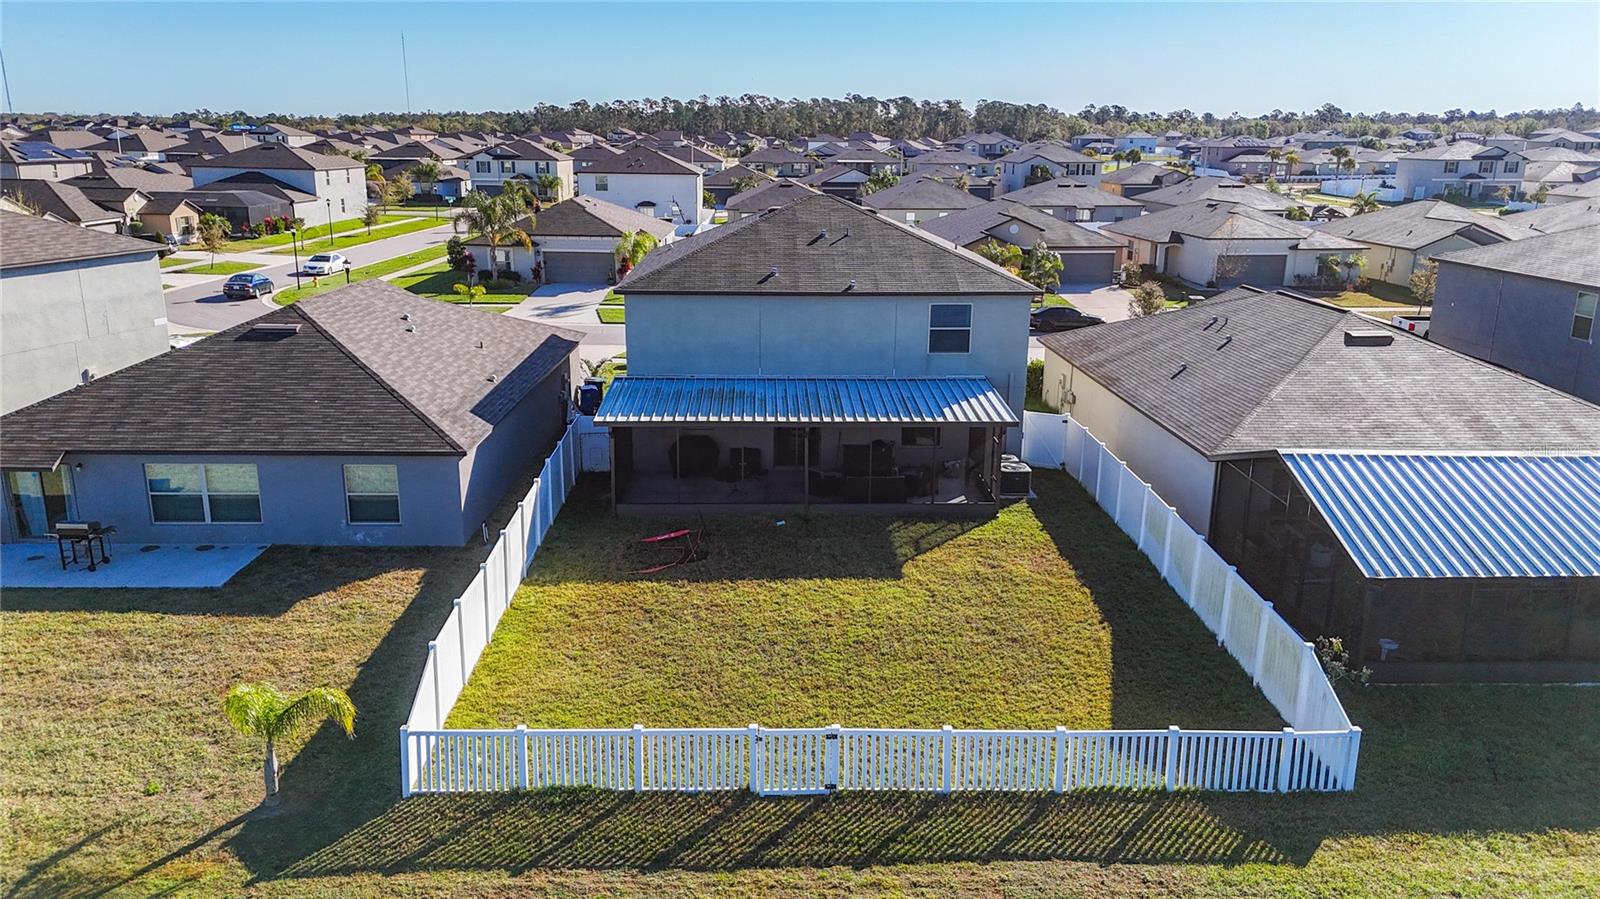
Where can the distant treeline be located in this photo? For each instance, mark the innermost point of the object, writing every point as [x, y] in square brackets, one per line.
[906, 117]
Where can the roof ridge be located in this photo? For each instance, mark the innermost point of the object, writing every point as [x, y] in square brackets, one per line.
[1292, 370]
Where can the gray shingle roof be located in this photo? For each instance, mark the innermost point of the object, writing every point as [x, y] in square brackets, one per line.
[1053, 152]
[1411, 226]
[774, 156]
[970, 225]
[1287, 379]
[921, 192]
[1561, 217]
[588, 217]
[65, 201]
[768, 194]
[727, 176]
[1568, 256]
[1461, 149]
[818, 245]
[1211, 189]
[1139, 173]
[1224, 221]
[36, 241]
[278, 156]
[641, 161]
[352, 380]
[1064, 192]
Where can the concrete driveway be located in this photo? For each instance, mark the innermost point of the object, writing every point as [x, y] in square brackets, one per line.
[1107, 301]
[573, 306]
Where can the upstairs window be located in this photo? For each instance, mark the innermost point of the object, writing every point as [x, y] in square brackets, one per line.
[601, 183]
[950, 328]
[1583, 314]
[1511, 167]
[1451, 167]
[1486, 166]
[481, 166]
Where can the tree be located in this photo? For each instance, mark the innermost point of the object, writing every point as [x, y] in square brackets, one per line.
[498, 220]
[1340, 154]
[428, 171]
[455, 253]
[1364, 202]
[213, 231]
[1353, 264]
[550, 186]
[25, 204]
[631, 250]
[1041, 267]
[1541, 193]
[371, 216]
[1290, 160]
[396, 190]
[1037, 174]
[375, 172]
[259, 710]
[1423, 281]
[1133, 155]
[1146, 299]
[963, 182]
[1348, 163]
[1275, 154]
[1297, 214]
[879, 180]
[470, 294]
[1119, 156]
[748, 182]
[708, 199]
[1007, 256]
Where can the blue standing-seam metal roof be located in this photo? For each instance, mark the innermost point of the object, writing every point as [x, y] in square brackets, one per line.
[637, 400]
[1433, 515]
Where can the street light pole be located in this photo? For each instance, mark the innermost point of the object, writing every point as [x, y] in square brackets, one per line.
[347, 272]
[294, 241]
[330, 222]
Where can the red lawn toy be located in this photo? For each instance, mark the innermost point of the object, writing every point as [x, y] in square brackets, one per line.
[689, 544]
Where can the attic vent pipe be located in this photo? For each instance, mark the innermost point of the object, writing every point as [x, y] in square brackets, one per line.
[1181, 368]
[1210, 323]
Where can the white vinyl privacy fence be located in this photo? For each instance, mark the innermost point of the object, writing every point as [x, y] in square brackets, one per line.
[1317, 753]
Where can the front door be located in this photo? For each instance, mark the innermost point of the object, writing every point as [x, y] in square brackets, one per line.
[39, 499]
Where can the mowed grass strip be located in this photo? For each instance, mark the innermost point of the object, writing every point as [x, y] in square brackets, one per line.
[1044, 615]
[284, 297]
[352, 237]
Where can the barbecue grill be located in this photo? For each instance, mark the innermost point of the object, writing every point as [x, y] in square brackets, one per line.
[71, 534]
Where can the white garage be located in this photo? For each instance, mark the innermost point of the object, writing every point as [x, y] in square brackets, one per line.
[574, 241]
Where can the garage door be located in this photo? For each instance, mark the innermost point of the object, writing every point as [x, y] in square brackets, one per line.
[580, 268]
[1257, 271]
[1087, 268]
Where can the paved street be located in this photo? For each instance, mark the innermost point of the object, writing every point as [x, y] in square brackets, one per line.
[200, 305]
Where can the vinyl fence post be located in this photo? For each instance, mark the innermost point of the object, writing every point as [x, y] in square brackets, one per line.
[1099, 466]
[513, 578]
[1308, 664]
[1144, 509]
[1166, 543]
[461, 640]
[1083, 454]
[488, 630]
[1285, 759]
[830, 758]
[756, 774]
[1194, 570]
[527, 554]
[1172, 757]
[538, 509]
[405, 761]
[947, 765]
[1260, 655]
[638, 758]
[1352, 753]
[522, 756]
[1060, 783]
[1227, 602]
[433, 663]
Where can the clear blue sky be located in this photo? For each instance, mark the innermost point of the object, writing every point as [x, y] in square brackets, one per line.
[1250, 58]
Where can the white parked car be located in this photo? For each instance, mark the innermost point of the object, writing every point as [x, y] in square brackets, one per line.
[324, 264]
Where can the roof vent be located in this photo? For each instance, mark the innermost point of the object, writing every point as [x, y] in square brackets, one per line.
[411, 329]
[1182, 367]
[405, 316]
[276, 327]
[852, 285]
[1210, 323]
[1367, 337]
[491, 379]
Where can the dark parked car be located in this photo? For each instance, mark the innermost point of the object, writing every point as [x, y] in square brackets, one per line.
[247, 286]
[1061, 318]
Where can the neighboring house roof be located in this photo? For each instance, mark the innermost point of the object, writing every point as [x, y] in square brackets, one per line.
[166, 205]
[142, 140]
[691, 154]
[1582, 190]
[526, 149]
[984, 137]
[1458, 150]
[1063, 192]
[1560, 154]
[65, 201]
[833, 173]
[1210, 189]
[30, 240]
[726, 177]
[640, 161]
[819, 245]
[1248, 372]
[65, 139]
[972, 225]
[921, 192]
[355, 378]
[774, 156]
[594, 152]
[138, 177]
[1567, 256]
[1224, 222]
[1140, 173]
[216, 145]
[1052, 152]
[767, 195]
[254, 180]
[33, 152]
[267, 156]
[587, 217]
[1560, 217]
[281, 128]
[949, 157]
[1412, 226]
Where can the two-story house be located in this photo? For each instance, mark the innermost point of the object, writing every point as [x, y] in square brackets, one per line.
[647, 182]
[1048, 160]
[1527, 305]
[818, 353]
[1469, 169]
[321, 188]
[38, 160]
[988, 144]
[1073, 201]
[493, 166]
[780, 162]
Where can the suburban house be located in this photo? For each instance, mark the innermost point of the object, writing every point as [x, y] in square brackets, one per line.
[1143, 141]
[987, 144]
[75, 305]
[588, 155]
[1401, 239]
[1224, 245]
[382, 418]
[838, 180]
[1074, 201]
[1529, 306]
[1087, 257]
[65, 202]
[1575, 192]
[1443, 526]
[170, 216]
[765, 196]
[526, 161]
[1050, 160]
[647, 182]
[279, 133]
[723, 184]
[37, 160]
[574, 241]
[1211, 154]
[780, 162]
[1469, 169]
[960, 160]
[1210, 189]
[1560, 217]
[817, 353]
[1089, 139]
[707, 162]
[319, 187]
[1565, 138]
[1140, 178]
[918, 199]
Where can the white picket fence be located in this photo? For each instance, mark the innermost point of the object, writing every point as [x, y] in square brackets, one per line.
[455, 650]
[1318, 753]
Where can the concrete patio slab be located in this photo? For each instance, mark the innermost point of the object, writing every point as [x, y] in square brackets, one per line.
[131, 565]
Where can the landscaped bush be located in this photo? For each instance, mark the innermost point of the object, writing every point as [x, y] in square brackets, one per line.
[1035, 383]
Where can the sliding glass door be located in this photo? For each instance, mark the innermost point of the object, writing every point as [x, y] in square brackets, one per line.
[40, 499]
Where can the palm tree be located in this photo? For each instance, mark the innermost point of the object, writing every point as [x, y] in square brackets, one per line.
[1364, 202]
[1290, 160]
[550, 186]
[428, 171]
[1007, 256]
[1348, 164]
[1119, 156]
[259, 710]
[631, 250]
[1275, 154]
[879, 180]
[497, 219]
[1133, 155]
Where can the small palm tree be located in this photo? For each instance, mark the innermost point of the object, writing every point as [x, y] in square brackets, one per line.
[1348, 164]
[259, 710]
[1290, 160]
[1364, 202]
[427, 172]
[1119, 156]
[498, 219]
[631, 250]
[1275, 154]
[549, 186]
[470, 294]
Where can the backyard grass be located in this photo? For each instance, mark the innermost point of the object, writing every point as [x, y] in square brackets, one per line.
[121, 777]
[284, 297]
[438, 283]
[222, 267]
[310, 232]
[1052, 299]
[353, 238]
[1377, 295]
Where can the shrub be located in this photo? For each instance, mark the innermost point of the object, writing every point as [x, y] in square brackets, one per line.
[1035, 383]
[1129, 273]
[1146, 299]
[511, 276]
[455, 250]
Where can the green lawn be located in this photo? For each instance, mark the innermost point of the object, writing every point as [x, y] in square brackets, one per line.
[1377, 295]
[612, 310]
[175, 261]
[438, 283]
[310, 233]
[122, 778]
[284, 297]
[221, 267]
[351, 238]
[1052, 299]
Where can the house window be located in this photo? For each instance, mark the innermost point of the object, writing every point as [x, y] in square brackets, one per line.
[372, 494]
[1486, 166]
[911, 218]
[1450, 168]
[347, 176]
[1583, 314]
[600, 183]
[1511, 167]
[197, 494]
[542, 168]
[481, 166]
[1048, 211]
[1082, 215]
[919, 436]
[950, 328]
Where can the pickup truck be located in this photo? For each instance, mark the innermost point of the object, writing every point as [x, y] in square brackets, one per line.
[1416, 324]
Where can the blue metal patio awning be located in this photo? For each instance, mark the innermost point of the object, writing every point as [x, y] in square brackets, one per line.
[1441, 515]
[796, 401]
